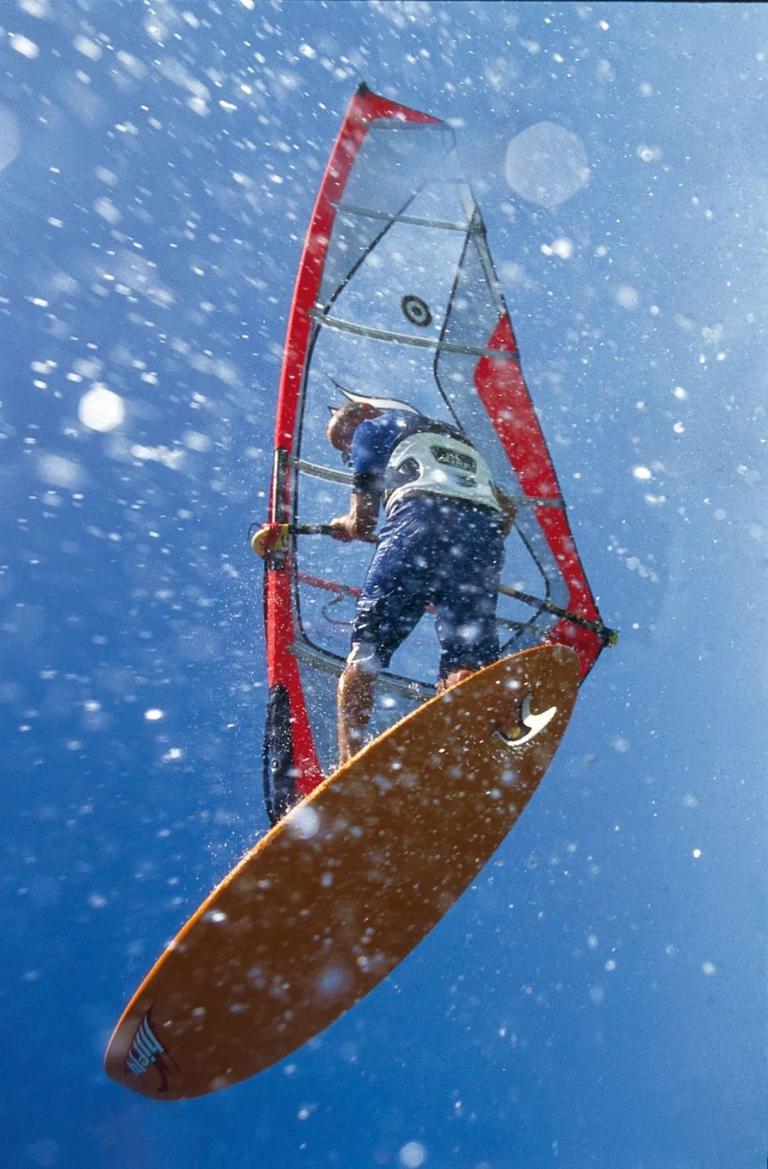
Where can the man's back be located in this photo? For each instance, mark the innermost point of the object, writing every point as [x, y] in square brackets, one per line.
[402, 455]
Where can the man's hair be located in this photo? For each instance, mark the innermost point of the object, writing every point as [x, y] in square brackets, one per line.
[347, 418]
[351, 410]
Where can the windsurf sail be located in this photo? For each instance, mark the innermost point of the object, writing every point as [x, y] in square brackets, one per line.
[397, 300]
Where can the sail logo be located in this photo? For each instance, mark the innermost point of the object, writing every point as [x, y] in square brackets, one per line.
[528, 726]
[145, 1049]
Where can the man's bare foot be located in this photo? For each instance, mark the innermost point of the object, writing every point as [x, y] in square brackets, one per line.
[452, 679]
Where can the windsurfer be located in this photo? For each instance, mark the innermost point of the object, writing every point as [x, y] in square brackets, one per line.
[441, 545]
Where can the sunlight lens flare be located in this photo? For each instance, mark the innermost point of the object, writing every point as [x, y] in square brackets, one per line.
[546, 164]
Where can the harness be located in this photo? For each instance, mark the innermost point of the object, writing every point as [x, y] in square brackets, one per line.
[436, 459]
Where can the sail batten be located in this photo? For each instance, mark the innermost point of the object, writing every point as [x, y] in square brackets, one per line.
[316, 471]
[332, 322]
[415, 220]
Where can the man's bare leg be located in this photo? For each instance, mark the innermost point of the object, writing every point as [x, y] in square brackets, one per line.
[355, 703]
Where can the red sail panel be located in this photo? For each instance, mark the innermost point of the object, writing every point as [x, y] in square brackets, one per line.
[502, 390]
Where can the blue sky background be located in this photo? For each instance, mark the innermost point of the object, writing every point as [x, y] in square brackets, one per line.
[597, 998]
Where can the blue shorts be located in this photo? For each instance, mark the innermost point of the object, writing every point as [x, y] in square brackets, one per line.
[439, 552]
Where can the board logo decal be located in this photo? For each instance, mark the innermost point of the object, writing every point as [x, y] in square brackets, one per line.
[146, 1050]
[528, 726]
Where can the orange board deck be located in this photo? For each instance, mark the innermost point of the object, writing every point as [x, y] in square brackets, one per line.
[328, 902]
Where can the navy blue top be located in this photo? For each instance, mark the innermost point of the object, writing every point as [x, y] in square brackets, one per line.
[373, 443]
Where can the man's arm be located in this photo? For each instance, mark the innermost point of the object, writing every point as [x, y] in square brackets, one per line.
[360, 521]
